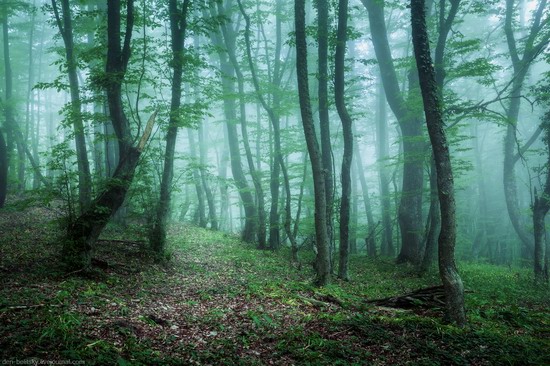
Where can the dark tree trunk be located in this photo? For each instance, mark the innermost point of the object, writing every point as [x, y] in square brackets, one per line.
[324, 121]
[178, 28]
[541, 205]
[371, 237]
[410, 122]
[83, 233]
[208, 192]
[9, 122]
[200, 214]
[382, 151]
[339, 86]
[434, 222]
[322, 241]
[3, 169]
[452, 283]
[64, 23]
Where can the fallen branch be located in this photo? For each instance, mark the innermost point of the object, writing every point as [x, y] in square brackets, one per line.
[430, 297]
[22, 307]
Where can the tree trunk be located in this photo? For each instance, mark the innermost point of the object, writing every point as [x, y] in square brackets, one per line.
[452, 283]
[83, 233]
[322, 240]
[382, 152]
[339, 84]
[230, 37]
[434, 222]
[9, 122]
[64, 23]
[324, 121]
[178, 27]
[410, 122]
[3, 169]
[249, 231]
[201, 209]
[273, 114]
[371, 242]
[521, 64]
[208, 192]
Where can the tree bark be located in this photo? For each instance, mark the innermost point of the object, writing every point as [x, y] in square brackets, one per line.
[249, 231]
[274, 117]
[178, 28]
[324, 121]
[339, 85]
[208, 192]
[64, 23]
[410, 122]
[452, 283]
[83, 233]
[229, 35]
[382, 151]
[322, 260]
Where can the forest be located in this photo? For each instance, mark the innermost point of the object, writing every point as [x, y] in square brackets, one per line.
[250, 182]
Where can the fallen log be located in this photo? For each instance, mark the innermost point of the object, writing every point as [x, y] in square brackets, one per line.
[428, 298]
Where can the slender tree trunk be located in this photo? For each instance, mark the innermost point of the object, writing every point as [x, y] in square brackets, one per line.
[434, 222]
[229, 35]
[273, 113]
[203, 152]
[382, 152]
[371, 237]
[454, 289]
[178, 27]
[339, 86]
[321, 236]
[201, 209]
[3, 168]
[249, 231]
[64, 23]
[324, 121]
[9, 122]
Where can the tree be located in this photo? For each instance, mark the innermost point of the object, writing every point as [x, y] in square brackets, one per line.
[324, 121]
[452, 283]
[249, 231]
[65, 25]
[178, 28]
[83, 233]
[339, 83]
[541, 204]
[410, 123]
[229, 34]
[534, 43]
[275, 119]
[321, 237]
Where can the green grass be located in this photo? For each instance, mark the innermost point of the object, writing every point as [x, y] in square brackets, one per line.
[219, 301]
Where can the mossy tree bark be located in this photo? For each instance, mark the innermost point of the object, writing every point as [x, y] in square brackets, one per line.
[345, 118]
[452, 283]
[321, 236]
[65, 25]
[178, 28]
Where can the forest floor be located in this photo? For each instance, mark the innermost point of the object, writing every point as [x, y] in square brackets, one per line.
[217, 301]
